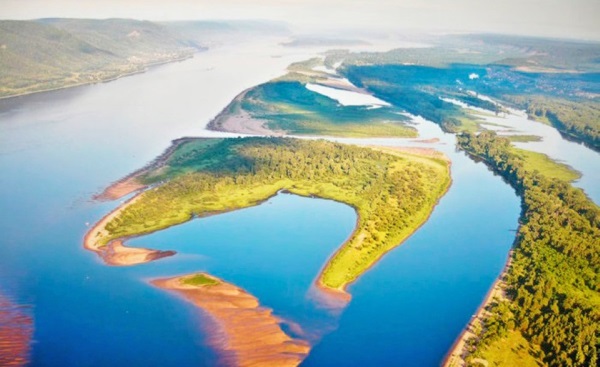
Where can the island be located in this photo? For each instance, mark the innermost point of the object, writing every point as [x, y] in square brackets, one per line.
[245, 333]
[312, 100]
[392, 191]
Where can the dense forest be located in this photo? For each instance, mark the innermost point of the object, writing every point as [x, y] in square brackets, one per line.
[553, 283]
[392, 192]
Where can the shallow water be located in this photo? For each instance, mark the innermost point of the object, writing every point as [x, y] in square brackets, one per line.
[57, 149]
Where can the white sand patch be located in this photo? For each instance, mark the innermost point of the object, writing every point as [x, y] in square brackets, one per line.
[324, 69]
[346, 97]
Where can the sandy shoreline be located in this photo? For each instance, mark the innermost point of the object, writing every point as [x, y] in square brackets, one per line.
[457, 353]
[240, 122]
[16, 332]
[246, 334]
[115, 253]
[130, 183]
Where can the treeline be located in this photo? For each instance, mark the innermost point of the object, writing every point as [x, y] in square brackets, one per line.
[392, 194]
[579, 120]
[553, 282]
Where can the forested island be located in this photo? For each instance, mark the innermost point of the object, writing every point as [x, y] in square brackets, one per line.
[392, 192]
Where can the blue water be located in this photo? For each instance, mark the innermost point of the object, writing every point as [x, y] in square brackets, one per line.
[57, 149]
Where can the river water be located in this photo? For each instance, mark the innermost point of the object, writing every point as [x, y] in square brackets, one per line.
[59, 148]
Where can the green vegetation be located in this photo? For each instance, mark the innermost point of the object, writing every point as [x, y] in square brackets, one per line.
[579, 120]
[552, 286]
[523, 138]
[417, 90]
[511, 347]
[286, 104]
[555, 81]
[50, 54]
[199, 280]
[541, 163]
[46, 54]
[392, 192]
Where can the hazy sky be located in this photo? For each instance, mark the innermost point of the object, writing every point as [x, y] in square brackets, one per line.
[553, 18]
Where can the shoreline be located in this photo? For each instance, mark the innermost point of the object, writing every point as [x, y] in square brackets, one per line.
[340, 292]
[455, 357]
[128, 184]
[240, 122]
[245, 333]
[115, 253]
[144, 69]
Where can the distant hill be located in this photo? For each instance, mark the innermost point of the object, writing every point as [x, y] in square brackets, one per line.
[46, 54]
[54, 53]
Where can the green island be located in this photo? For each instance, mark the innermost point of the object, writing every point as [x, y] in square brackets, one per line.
[392, 192]
[286, 106]
[199, 280]
[549, 313]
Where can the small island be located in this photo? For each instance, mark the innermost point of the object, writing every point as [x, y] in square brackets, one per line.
[393, 193]
[246, 333]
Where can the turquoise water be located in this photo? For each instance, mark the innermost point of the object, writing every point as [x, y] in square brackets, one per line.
[57, 149]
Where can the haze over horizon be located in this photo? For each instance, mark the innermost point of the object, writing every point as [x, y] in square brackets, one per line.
[551, 18]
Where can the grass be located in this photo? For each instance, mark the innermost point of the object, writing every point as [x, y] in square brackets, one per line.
[546, 166]
[199, 280]
[509, 351]
[393, 194]
[523, 138]
[286, 104]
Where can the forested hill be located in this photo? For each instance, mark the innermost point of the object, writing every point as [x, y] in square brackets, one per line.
[46, 54]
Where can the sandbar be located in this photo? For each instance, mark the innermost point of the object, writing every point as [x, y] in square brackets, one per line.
[115, 253]
[244, 332]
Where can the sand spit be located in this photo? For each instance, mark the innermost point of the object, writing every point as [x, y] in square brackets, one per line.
[131, 183]
[240, 122]
[114, 252]
[16, 330]
[246, 333]
[117, 254]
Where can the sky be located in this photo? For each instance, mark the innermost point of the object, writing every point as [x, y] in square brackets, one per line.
[549, 18]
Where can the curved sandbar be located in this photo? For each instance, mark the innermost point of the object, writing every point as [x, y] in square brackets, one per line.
[246, 333]
[16, 330]
[392, 192]
[113, 252]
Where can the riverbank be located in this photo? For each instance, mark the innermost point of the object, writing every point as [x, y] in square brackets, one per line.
[246, 334]
[107, 79]
[459, 350]
[233, 119]
[114, 252]
[131, 183]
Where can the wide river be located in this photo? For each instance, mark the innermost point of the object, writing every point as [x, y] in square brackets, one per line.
[58, 149]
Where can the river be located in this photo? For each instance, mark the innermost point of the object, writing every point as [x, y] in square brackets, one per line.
[57, 149]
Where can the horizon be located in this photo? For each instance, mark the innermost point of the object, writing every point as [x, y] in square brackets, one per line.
[575, 20]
